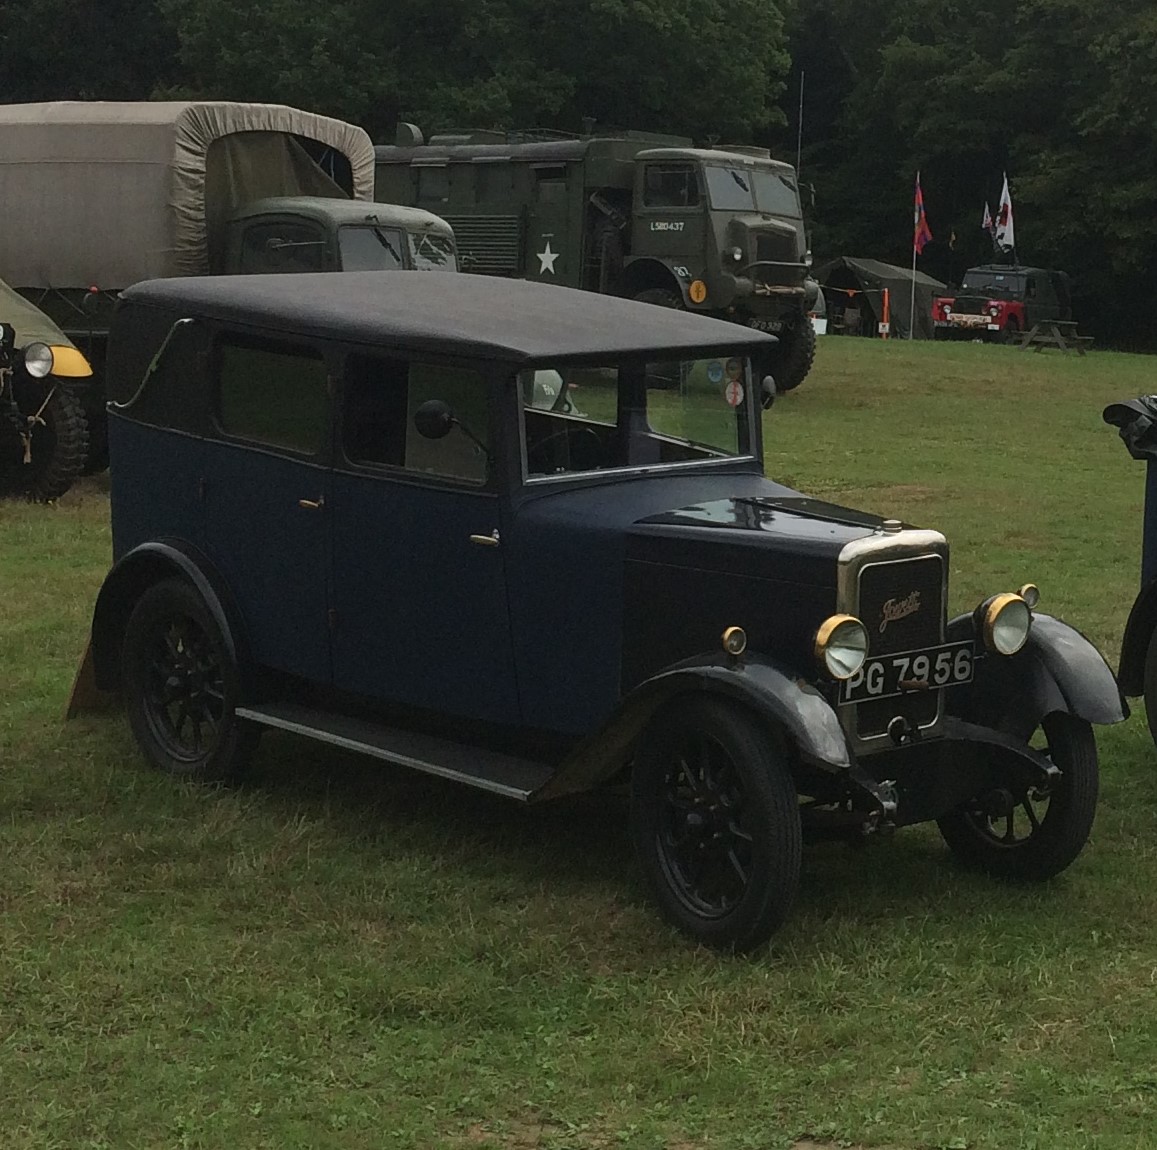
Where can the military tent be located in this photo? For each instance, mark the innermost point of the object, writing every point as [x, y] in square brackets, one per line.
[857, 285]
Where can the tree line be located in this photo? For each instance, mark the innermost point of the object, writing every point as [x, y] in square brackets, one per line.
[1061, 94]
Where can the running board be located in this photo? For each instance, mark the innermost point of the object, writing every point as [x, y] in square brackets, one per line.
[488, 770]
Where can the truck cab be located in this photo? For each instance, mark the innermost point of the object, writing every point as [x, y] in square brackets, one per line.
[313, 234]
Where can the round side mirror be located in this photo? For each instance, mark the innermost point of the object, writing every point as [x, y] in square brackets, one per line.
[767, 391]
[434, 419]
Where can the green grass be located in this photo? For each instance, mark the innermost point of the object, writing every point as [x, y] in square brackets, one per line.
[338, 954]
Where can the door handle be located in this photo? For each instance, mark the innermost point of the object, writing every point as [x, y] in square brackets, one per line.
[312, 504]
[490, 540]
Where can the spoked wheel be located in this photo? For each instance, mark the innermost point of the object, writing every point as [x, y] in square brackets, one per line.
[716, 824]
[1033, 833]
[182, 686]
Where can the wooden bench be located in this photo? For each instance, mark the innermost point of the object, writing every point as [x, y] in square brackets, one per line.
[1060, 333]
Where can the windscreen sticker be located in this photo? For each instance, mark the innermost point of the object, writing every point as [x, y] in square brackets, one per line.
[733, 393]
[715, 371]
[734, 368]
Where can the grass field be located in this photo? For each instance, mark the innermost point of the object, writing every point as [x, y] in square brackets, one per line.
[342, 955]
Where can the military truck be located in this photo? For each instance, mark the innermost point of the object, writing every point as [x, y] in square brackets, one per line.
[717, 231]
[98, 196]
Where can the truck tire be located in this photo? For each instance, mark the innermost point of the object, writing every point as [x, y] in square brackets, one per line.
[792, 360]
[58, 448]
[662, 297]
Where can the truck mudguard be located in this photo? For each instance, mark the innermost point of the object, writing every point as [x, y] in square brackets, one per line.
[131, 576]
[1058, 669]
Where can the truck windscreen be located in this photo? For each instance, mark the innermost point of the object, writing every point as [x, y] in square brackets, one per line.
[742, 189]
[370, 249]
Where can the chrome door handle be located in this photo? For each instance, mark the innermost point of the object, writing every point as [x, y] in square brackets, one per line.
[312, 504]
[490, 540]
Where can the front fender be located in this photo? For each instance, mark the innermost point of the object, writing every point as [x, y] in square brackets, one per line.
[1058, 669]
[771, 690]
[131, 576]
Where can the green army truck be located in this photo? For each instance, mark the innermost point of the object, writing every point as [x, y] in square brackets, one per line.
[713, 230]
[97, 196]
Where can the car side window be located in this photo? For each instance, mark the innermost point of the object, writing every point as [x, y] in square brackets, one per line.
[381, 396]
[282, 247]
[670, 186]
[273, 393]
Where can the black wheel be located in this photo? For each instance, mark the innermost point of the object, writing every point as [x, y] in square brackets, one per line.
[715, 820]
[1032, 833]
[50, 462]
[793, 359]
[1151, 686]
[182, 686]
[1010, 333]
[663, 297]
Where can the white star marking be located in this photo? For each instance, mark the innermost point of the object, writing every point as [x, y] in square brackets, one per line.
[546, 257]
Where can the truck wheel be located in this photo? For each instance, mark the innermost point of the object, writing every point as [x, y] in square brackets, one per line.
[1027, 833]
[715, 821]
[59, 442]
[664, 297]
[792, 360]
[182, 686]
[1010, 333]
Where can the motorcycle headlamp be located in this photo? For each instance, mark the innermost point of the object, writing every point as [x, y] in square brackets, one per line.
[841, 646]
[38, 360]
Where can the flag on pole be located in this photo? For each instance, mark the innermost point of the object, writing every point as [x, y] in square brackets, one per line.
[922, 232]
[1002, 234]
[988, 223]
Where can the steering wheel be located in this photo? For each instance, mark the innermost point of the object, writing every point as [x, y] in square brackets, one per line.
[581, 433]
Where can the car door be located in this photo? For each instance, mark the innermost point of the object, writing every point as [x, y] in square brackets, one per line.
[265, 494]
[419, 587]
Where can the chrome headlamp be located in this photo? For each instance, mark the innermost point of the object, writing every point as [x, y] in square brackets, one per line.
[38, 360]
[841, 645]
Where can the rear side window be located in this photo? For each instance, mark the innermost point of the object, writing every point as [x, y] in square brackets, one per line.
[670, 186]
[381, 396]
[273, 393]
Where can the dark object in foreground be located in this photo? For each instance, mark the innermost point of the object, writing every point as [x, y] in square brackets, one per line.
[519, 536]
[1136, 420]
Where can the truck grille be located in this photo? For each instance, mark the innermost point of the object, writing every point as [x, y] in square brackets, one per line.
[778, 249]
[492, 244]
[875, 585]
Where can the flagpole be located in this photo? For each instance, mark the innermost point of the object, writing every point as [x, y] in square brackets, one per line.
[912, 307]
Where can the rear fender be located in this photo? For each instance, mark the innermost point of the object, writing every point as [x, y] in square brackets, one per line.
[776, 695]
[1058, 669]
[133, 574]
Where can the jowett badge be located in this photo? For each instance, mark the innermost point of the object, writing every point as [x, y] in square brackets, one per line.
[894, 609]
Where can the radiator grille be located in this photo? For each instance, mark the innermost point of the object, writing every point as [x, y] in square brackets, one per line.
[914, 589]
[779, 249]
[493, 244]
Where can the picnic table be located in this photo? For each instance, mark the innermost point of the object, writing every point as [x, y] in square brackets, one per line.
[1060, 333]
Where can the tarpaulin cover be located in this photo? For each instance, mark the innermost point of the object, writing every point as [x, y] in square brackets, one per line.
[31, 324]
[107, 194]
[1136, 420]
[867, 279]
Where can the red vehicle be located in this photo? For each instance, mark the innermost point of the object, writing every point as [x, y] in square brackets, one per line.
[999, 301]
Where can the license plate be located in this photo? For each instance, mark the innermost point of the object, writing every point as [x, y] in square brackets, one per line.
[908, 671]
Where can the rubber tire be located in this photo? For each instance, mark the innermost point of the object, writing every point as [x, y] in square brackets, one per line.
[231, 751]
[793, 359]
[1065, 828]
[662, 297]
[59, 447]
[774, 821]
[1150, 687]
[1010, 333]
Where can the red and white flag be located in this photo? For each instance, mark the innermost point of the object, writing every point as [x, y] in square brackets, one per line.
[1003, 235]
[988, 223]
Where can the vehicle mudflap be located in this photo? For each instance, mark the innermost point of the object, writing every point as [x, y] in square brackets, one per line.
[1058, 669]
[1135, 645]
[772, 691]
[99, 671]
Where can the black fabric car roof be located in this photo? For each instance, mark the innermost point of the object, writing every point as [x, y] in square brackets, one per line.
[448, 312]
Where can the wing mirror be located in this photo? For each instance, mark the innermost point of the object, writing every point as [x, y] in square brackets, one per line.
[434, 419]
[767, 392]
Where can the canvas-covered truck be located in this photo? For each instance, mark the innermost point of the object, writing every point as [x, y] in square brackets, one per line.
[99, 195]
[717, 231]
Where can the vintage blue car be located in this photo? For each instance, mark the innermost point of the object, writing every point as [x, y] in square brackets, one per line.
[519, 536]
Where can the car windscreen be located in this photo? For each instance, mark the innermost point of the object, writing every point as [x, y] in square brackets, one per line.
[365, 248]
[432, 252]
[629, 415]
[993, 283]
[775, 193]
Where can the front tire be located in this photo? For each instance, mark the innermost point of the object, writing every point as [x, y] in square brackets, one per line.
[1029, 834]
[58, 441]
[182, 686]
[715, 821]
[793, 359]
[661, 297]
